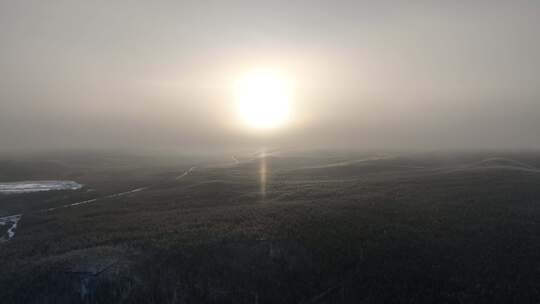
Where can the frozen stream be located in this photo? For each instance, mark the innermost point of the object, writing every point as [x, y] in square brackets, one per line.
[11, 221]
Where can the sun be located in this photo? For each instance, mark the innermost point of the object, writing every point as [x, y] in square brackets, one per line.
[263, 100]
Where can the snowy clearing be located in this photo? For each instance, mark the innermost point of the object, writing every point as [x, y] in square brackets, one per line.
[36, 186]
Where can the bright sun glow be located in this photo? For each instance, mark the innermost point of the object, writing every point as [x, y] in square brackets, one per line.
[263, 99]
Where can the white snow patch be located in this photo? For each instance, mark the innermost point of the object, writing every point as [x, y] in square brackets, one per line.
[13, 220]
[36, 186]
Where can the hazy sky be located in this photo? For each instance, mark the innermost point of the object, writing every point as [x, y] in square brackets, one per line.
[366, 74]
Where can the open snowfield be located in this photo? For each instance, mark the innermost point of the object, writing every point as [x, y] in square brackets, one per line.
[36, 186]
